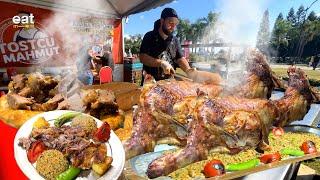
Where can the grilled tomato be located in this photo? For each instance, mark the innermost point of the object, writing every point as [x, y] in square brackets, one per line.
[102, 134]
[277, 131]
[35, 151]
[214, 168]
[308, 147]
[269, 158]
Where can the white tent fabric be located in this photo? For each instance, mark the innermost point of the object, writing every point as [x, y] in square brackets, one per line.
[111, 8]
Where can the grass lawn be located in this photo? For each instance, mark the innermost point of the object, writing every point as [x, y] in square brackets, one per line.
[312, 74]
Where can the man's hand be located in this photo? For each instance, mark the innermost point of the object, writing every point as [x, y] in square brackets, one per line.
[204, 77]
[167, 68]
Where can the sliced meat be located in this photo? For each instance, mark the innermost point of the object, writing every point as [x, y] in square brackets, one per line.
[18, 82]
[84, 159]
[63, 105]
[100, 102]
[100, 154]
[18, 102]
[25, 92]
[52, 103]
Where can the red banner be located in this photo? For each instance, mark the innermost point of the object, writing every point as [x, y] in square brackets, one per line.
[47, 41]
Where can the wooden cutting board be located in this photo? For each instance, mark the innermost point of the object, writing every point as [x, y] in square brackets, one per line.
[116, 87]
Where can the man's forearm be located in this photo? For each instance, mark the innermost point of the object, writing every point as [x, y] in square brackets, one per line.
[149, 61]
[183, 64]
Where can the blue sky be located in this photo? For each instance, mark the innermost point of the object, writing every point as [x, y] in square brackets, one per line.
[244, 15]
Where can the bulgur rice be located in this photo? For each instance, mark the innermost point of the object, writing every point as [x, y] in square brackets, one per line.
[86, 122]
[288, 140]
[51, 163]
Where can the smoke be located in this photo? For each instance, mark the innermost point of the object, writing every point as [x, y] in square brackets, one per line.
[75, 32]
[75, 27]
[238, 24]
[239, 21]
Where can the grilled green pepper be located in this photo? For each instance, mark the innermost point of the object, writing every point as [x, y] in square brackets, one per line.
[69, 174]
[64, 118]
[292, 152]
[242, 166]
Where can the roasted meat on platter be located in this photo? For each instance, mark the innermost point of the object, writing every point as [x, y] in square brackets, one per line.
[216, 119]
[234, 124]
[38, 92]
[162, 104]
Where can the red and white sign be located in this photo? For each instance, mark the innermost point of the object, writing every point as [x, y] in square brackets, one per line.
[25, 43]
[26, 40]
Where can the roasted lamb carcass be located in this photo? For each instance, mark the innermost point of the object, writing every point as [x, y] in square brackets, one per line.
[258, 80]
[235, 124]
[155, 118]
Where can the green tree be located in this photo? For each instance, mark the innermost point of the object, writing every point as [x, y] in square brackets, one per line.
[300, 15]
[184, 30]
[312, 16]
[291, 17]
[133, 43]
[279, 38]
[263, 33]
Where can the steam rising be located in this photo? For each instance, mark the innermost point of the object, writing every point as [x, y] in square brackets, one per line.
[62, 25]
[238, 24]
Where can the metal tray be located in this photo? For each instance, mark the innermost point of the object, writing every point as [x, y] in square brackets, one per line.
[302, 128]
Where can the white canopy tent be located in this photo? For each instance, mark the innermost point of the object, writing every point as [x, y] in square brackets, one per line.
[113, 8]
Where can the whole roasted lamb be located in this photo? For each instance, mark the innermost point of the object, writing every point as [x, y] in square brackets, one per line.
[157, 115]
[215, 118]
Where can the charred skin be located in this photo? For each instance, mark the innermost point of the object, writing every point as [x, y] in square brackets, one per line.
[142, 139]
[259, 80]
[223, 122]
[167, 98]
[236, 123]
[151, 122]
[297, 98]
[232, 122]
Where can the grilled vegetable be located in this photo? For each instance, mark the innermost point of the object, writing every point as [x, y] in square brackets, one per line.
[65, 118]
[308, 147]
[103, 133]
[214, 168]
[101, 168]
[277, 131]
[292, 152]
[35, 151]
[41, 123]
[242, 166]
[268, 158]
[69, 174]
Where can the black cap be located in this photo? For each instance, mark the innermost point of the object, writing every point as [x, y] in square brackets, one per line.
[168, 12]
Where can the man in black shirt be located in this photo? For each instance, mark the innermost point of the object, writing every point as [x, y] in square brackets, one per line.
[160, 52]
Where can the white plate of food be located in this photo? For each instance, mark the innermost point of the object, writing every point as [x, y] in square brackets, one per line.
[71, 145]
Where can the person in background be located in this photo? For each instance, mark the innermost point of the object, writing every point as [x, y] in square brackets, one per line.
[160, 52]
[106, 59]
[315, 60]
[84, 66]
